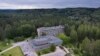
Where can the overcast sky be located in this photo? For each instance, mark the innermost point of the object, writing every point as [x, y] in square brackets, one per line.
[32, 4]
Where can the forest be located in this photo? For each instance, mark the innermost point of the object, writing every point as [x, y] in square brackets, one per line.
[82, 26]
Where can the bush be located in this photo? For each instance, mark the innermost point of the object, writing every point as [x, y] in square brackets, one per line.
[66, 39]
[17, 39]
[53, 48]
[0, 50]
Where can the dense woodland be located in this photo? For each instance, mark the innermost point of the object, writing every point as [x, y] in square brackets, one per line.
[82, 26]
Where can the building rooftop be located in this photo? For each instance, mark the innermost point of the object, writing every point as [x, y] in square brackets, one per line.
[42, 40]
[47, 28]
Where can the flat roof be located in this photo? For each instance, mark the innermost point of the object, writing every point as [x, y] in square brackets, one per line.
[41, 39]
[47, 28]
[45, 39]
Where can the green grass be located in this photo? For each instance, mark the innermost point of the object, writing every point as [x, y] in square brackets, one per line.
[13, 52]
[4, 46]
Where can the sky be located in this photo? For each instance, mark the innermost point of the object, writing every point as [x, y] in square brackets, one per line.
[36, 4]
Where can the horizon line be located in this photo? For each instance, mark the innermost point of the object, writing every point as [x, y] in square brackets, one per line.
[42, 8]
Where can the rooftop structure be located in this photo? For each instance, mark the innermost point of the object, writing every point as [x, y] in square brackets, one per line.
[53, 31]
[45, 42]
[40, 41]
[54, 27]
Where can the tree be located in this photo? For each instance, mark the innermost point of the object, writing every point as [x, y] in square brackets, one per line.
[25, 30]
[1, 33]
[73, 36]
[96, 48]
[66, 39]
[90, 48]
[98, 34]
[85, 43]
[80, 32]
[8, 29]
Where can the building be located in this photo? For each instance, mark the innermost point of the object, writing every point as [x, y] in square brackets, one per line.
[43, 42]
[53, 31]
[46, 38]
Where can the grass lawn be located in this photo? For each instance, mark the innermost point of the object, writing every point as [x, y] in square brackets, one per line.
[4, 46]
[13, 52]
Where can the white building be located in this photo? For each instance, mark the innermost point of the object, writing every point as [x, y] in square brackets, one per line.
[53, 31]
